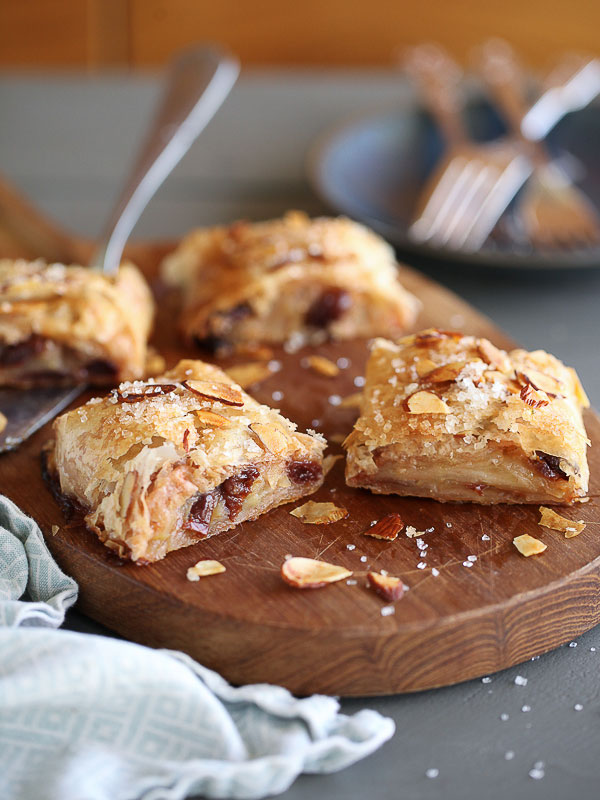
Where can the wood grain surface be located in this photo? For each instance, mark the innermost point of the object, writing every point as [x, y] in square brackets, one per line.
[252, 627]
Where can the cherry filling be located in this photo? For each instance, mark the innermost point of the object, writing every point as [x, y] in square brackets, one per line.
[237, 488]
[304, 471]
[201, 513]
[328, 307]
[550, 466]
[223, 322]
[18, 353]
[233, 490]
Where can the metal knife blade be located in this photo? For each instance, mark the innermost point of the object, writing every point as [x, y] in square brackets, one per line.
[27, 411]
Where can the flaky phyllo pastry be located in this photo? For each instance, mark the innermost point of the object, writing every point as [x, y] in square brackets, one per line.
[452, 417]
[292, 279]
[69, 324]
[162, 464]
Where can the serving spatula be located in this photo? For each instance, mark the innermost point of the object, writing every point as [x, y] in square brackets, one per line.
[198, 83]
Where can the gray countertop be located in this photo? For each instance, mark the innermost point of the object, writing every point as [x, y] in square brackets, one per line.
[66, 142]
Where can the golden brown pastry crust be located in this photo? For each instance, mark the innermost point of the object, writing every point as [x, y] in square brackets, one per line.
[452, 417]
[291, 279]
[158, 472]
[67, 324]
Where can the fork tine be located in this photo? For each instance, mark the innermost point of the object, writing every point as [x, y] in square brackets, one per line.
[446, 189]
[481, 185]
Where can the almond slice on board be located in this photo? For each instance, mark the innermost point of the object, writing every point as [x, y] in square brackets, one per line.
[202, 569]
[308, 573]
[387, 528]
[387, 586]
[528, 545]
[248, 374]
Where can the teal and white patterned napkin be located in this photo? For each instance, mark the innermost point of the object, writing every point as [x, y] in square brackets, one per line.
[93, 718]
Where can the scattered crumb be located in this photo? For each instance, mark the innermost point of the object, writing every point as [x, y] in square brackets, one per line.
[504, 716]
[351, 582]
[528, 546]
[312, 513]
[421, 565]
[387, 611]
[572, 644]
[509, 755]
[432, 772]
[435, 572]
[485, 538]
[322, 365]
[472, 558]
[350, 547]
[536, 774]
[578, 707]
[525, 709]
[55, 529]
[520, 681]
[363, 559]
[550, 519]
[467, 563]
[487, 679]
[203, 569]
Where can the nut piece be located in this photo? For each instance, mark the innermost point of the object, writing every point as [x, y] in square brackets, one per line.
[203, 569]
[146, 392]
[433, 336]
[424, 366]
[498, 359]
[388, 587]
[528, 546]
[532, 397]
[426, 403]
[3, 422]
[386, 528]
[210, 419]
[550, 519]
[249, 374]
[308, 573]
[214, 390]
[319, 513]
[447, 372]
[271, 436]
[323, 366]
[352, 400]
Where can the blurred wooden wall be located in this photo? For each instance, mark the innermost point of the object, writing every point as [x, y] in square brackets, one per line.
[93, 34]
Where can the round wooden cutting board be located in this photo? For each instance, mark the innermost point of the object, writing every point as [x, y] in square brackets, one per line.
[472, 618]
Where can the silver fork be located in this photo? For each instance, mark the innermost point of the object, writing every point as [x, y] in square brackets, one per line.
[198, 83]
[473, 185]
[553, 211]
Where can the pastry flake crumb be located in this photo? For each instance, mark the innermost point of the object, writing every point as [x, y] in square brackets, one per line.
[550, 519]
[55, 529]
[387, 528]
[424, 402]
[249, 374]
[271, 436]
[319, 513]
[386, 586]
[309, 573]
[202, 569]
[413, 533]
[528, 546]
[323, 366]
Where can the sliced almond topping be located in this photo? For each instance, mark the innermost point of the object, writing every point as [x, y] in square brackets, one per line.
[319, 513]
[214, 390]
[323, 366]
[210, 419]
[532, 397]
[493, 356]
[308, 573]
[329, 463]
[433, 336]
[528, 546]
[388, 587]
[426, 403]
[550, 519]
[386, 528]
[424, 366]
[271, 435]
[202, 569]
[249, 374]
[352, 400]
[580, 394]
[447, 372]
[137, 394]
[543, 382]
[3, 422]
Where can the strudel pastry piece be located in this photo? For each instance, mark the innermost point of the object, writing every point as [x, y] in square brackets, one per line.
[454, 418]
[162, 464]
[292, 279]
[69, 324]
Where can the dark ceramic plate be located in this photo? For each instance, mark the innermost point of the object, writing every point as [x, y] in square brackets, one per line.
[373, 170]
